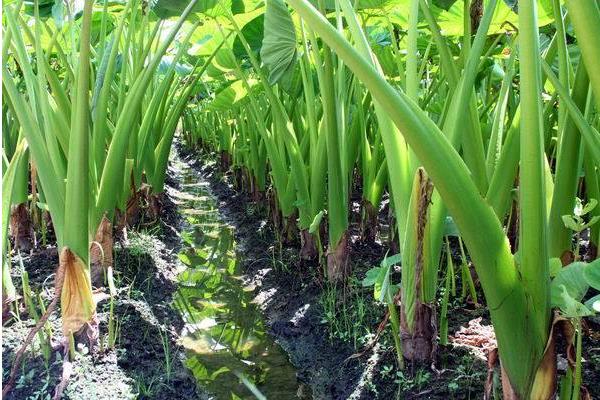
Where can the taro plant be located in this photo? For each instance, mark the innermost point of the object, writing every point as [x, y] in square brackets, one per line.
[466, 130]
[516, 289]
[82, 120]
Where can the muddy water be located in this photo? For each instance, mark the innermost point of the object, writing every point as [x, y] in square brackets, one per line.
[227, 346]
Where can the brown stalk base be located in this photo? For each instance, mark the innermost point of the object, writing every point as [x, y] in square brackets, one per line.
[101, 252]
[274, 213]
[239, 180]
[155, 205]
[420, 344]
[257, 195]
[370, 225]
[308, 248]
[393, 242]
[224, 161]
[289, 235]
[21, 228]
[338, 267]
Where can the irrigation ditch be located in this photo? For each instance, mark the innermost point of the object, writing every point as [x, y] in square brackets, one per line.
[210, 306]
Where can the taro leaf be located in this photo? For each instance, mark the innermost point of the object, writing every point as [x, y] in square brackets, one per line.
[45, 6]
[379, 277]
[291, 81]
[278, 50]
[245, 6]
[592, 274]
[451, 20]
[391, 260]
[573, 279]
[589, 206]
[384, 278]
[180, 68]
[169, 8]
[383, 284]
[224, 60]
[360, 4]
[594, 303]
[445, 4]
[229, 96]
[58, 14]
[314, 225]
[371, 276]
[378, 36]
[568, 305]
[238, 7]
[496, 72]
[571, 223]
[253, 32]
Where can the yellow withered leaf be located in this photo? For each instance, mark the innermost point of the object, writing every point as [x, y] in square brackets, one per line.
[76, 300]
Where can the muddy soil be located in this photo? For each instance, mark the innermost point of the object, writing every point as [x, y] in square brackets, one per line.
[290, 293]
[147, 360]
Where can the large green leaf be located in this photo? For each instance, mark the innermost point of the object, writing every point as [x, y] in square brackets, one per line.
[278, 50]
[592, 274]
[253, 32]
[594, 303]
[573, 279]
[451, 20]
[568, 305]
[230, 96]
[171, 8]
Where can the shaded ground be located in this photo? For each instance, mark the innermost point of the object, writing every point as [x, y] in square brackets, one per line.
[147, 361]
[316, 325]
[294, 299]
[319, 336]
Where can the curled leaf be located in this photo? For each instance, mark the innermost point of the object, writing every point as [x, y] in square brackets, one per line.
[77, 303]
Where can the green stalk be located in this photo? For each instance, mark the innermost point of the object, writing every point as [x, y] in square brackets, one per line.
[412, 78]
[532, 206]
[8, 183]
[112, 173]
[491, 254]
[590, 135]
[566, 177]
[585, 17]
[563, 59]
[76, 233]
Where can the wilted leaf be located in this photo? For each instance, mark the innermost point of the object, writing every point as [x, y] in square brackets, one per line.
[76, 301]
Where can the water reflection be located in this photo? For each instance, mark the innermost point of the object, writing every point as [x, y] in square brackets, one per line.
[224, 334]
